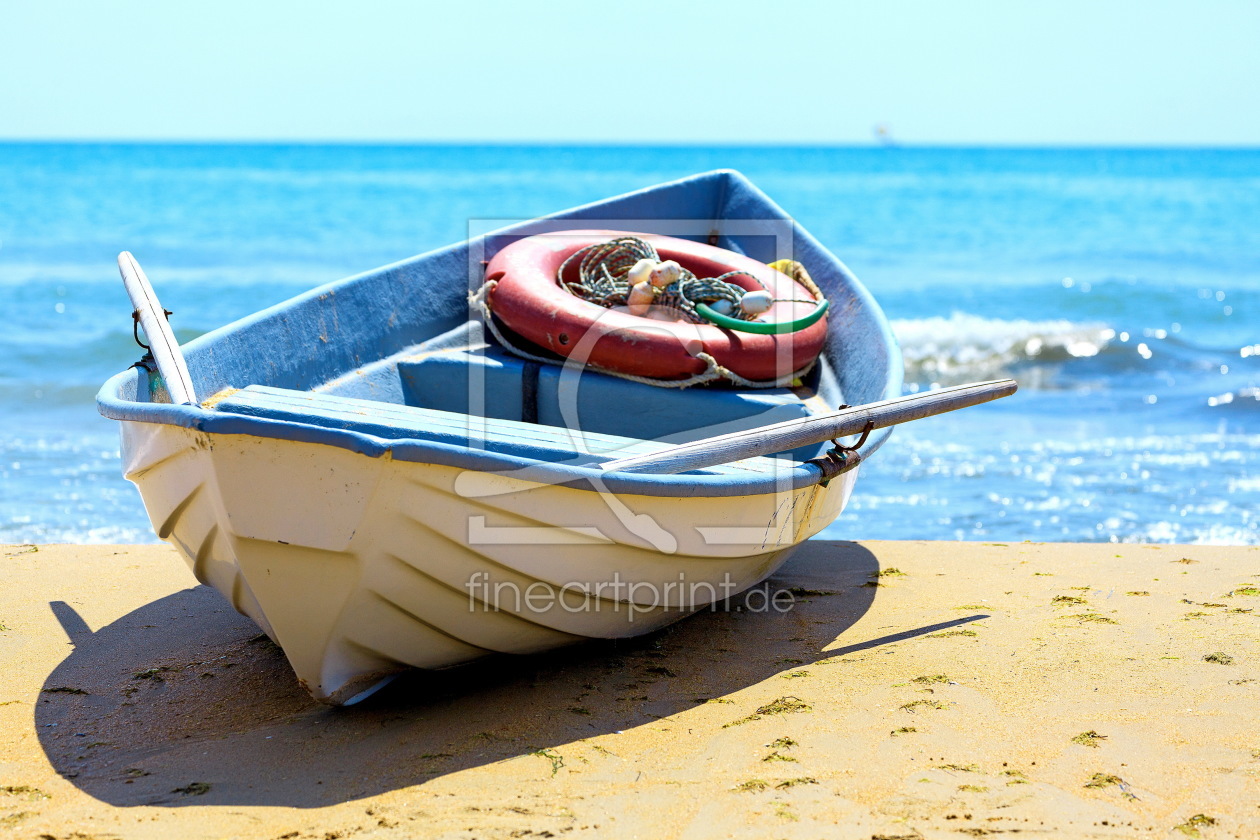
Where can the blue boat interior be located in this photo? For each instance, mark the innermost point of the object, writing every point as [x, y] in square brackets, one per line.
[457, 388]
[397, 355]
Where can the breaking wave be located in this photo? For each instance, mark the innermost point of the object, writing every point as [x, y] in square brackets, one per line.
[966, 347]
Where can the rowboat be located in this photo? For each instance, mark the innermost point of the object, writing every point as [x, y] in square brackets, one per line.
[376, 475]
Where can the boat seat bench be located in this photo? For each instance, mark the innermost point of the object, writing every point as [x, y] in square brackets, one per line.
[392, 421]
[512, 388]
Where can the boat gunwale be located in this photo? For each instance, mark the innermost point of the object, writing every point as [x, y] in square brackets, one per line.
[414, 450]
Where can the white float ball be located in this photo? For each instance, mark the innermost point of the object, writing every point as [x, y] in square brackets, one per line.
[754, 303]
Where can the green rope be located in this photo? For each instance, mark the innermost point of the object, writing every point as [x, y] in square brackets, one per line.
[602, 270]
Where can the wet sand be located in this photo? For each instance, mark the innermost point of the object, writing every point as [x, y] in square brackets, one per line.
[915, 689]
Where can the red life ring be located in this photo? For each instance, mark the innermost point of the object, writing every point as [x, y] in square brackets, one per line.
[528, 299]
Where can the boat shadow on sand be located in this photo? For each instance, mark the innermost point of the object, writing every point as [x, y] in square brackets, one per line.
[183, 702]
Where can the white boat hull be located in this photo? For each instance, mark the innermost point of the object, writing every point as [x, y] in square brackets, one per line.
[360, 567]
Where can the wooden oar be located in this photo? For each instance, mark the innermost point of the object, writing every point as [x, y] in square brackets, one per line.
[162, 343]
[781, 437]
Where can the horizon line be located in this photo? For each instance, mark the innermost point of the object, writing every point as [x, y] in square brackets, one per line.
[624, 144]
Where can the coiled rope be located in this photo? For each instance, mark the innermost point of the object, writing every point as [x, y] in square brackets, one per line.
[602, 279]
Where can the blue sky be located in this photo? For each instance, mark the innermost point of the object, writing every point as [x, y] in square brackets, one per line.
[956, 72]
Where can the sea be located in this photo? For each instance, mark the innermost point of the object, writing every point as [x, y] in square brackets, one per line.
[1120, 287]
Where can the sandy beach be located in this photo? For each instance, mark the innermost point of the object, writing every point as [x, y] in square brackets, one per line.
[916, 689]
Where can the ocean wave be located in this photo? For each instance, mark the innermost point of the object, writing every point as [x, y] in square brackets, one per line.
[44, 533]
[963, 347]
[1058, 354]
